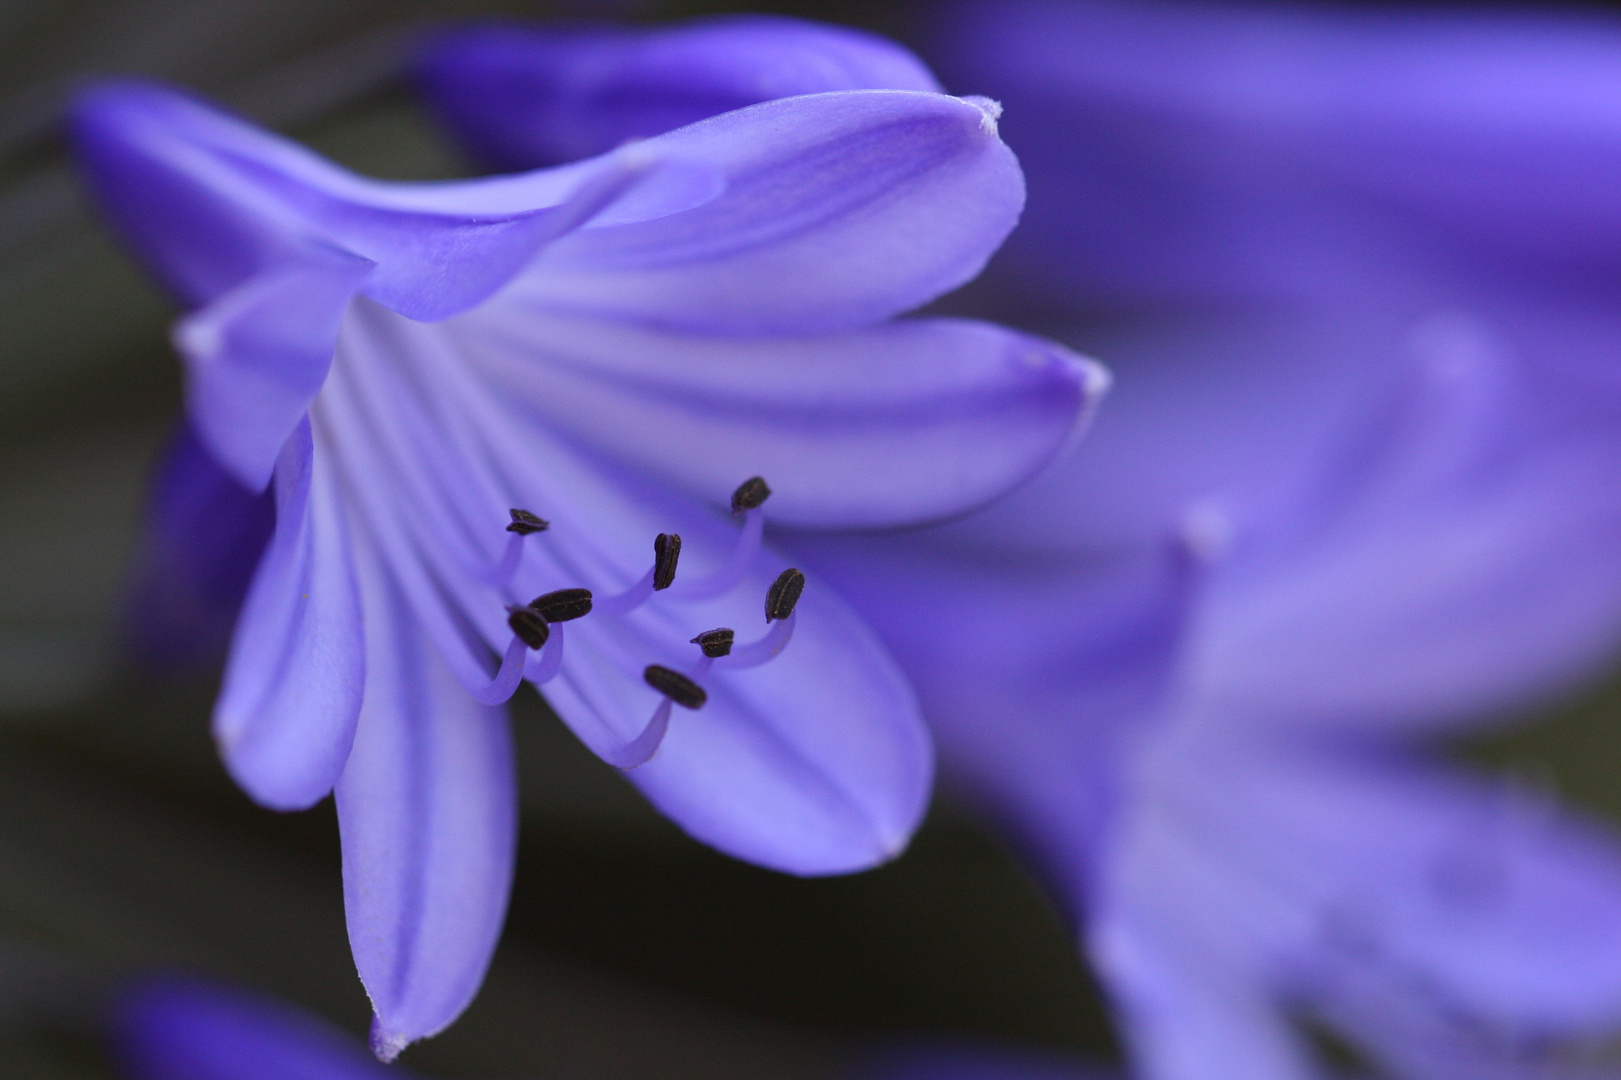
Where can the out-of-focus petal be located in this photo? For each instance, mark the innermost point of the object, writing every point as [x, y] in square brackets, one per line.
[894, 425]
[186, 1029]
[1319, 873]
[1035, 680]
[427, 808]
[1197, 150]
[286, 714]
[522, 96]
[204, 536]
[1460, 557]
[838, 210]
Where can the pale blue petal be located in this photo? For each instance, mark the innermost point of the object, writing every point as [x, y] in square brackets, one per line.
[427, 809]
[838, 210]
[902, 423]
[286, 713]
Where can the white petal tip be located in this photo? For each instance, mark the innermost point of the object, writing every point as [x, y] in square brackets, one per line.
[385, 1045]
[990, 111]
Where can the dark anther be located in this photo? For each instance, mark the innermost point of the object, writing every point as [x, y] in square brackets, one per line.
[563, 605]
[675, 686]
[524, 523]
[715, 643]
[529, 625]
[666, 553]
[749, 494]
[783, 594]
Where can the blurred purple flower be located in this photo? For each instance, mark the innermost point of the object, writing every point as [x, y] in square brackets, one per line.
[519, 95]
[170, 1028]
[608, 347]
[1354, 491]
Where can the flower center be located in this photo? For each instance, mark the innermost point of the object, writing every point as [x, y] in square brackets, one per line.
[536, 648]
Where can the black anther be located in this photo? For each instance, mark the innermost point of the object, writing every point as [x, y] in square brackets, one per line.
[675, 686]
[715, 643]
[749, 494]
[666, 553]
[530, 626]
[524, 523]
[563, 604]
[784, 594]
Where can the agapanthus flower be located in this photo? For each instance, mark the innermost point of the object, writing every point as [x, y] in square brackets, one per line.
[498, 414]
[1353, 493]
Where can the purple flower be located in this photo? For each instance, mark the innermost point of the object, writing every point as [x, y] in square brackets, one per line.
[1354, 491]
[186, 1029]
[467, 395]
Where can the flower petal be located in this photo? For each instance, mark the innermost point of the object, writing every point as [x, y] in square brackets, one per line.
[1428, 540]
[838, 210]
[1332, 879]
[275, 241]
[205, 534]
[186, 1029]
[814, 763]
[427, 809]
[286, 713]
[521, 96]
[902, 423]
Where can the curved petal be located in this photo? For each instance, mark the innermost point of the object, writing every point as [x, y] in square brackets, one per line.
[815, 763]
[427, 809]
[519, 96]
[275, 241]
[838, 210]
[187, 1029]
[204, 536]
[286, 713]
[894, 425]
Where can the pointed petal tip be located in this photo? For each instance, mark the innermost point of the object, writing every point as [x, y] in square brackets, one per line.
[386, 1044]
[990, 112]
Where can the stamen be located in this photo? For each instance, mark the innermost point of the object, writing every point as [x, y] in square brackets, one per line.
[746, 500]
[561, 605]
[640, 750]
[666, 553]
[715, 643]
[675, 686]
[783, 595]
[758, 652]
[544, 668]
[750, 494]
[524, 523]
[530, 625]
[506, 680]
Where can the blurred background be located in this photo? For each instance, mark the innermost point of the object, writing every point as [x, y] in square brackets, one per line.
[630, 950]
